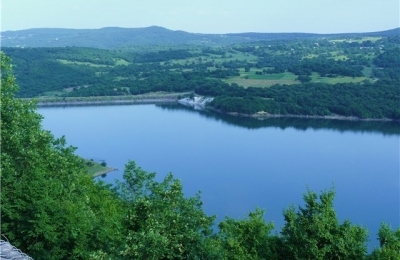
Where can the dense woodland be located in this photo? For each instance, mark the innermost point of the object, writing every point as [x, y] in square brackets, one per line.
[314, 76]
[51, 208]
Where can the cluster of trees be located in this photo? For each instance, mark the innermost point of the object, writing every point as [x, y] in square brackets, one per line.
[367, 100]
[388, 64]
[234, 64]
[327, 67]
[52, 209]
[223, 74]
[323, 64]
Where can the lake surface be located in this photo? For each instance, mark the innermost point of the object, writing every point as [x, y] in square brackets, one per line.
[240, 163]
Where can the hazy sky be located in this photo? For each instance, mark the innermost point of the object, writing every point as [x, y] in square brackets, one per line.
[205, 16]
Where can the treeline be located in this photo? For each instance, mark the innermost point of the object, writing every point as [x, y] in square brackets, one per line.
[53, 209]
[325, 66]
[367, 100]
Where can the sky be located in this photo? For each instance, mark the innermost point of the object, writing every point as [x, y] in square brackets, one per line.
[205, 16]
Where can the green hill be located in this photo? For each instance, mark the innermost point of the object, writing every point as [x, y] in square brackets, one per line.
[116, 37]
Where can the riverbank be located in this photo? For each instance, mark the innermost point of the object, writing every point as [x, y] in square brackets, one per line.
[105, 171]
[148, 98]
[265, 115]
[182, 98]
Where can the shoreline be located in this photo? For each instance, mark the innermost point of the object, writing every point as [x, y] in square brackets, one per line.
[149, 98]
[158, 98]
[99, 173]
[264, 115]
[104, 102]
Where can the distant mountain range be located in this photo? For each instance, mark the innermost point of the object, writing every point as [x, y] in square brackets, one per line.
[115, 37]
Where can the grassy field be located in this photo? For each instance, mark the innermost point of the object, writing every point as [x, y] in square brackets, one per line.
[250, 79]
[121, 62]
[53, 93]
[217, 59]
[96, 169]
[367, 72]
[336, 55]
[310, 56]
[316, 78]
[360, 40]
[70, 62]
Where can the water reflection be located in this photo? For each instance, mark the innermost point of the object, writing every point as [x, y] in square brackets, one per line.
[381, 127]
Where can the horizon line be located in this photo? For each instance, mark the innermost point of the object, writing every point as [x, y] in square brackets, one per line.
[145, 27]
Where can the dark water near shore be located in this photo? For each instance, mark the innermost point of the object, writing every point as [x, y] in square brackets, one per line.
[242, 163]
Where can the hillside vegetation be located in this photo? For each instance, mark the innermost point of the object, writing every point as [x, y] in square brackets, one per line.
[310, 76]
[52, 209]
[117, 37]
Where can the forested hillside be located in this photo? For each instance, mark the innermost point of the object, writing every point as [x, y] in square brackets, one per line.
[117, 37]
[51, 208]
[329, 76]
[104, 38]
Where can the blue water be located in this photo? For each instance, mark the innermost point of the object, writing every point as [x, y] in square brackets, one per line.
[239, 164]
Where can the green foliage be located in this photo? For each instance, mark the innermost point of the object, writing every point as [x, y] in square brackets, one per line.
[162, 56]
[304, 78]
[366, 100]
[313, 232]
[328, 67]
[372, 65]
[389, 58]
[246, 105]
[50, 207]
[38, 70]
[389, 244]
[389, 64]
[248, 239]
[160, 223]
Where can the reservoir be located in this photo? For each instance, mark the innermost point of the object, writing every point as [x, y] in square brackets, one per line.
[239, 164]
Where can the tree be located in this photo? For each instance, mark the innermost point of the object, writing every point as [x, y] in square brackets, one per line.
[248, 239]
[389, 242]
[160, 223]
[50, 207]
[304, 78]
[313, 232]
